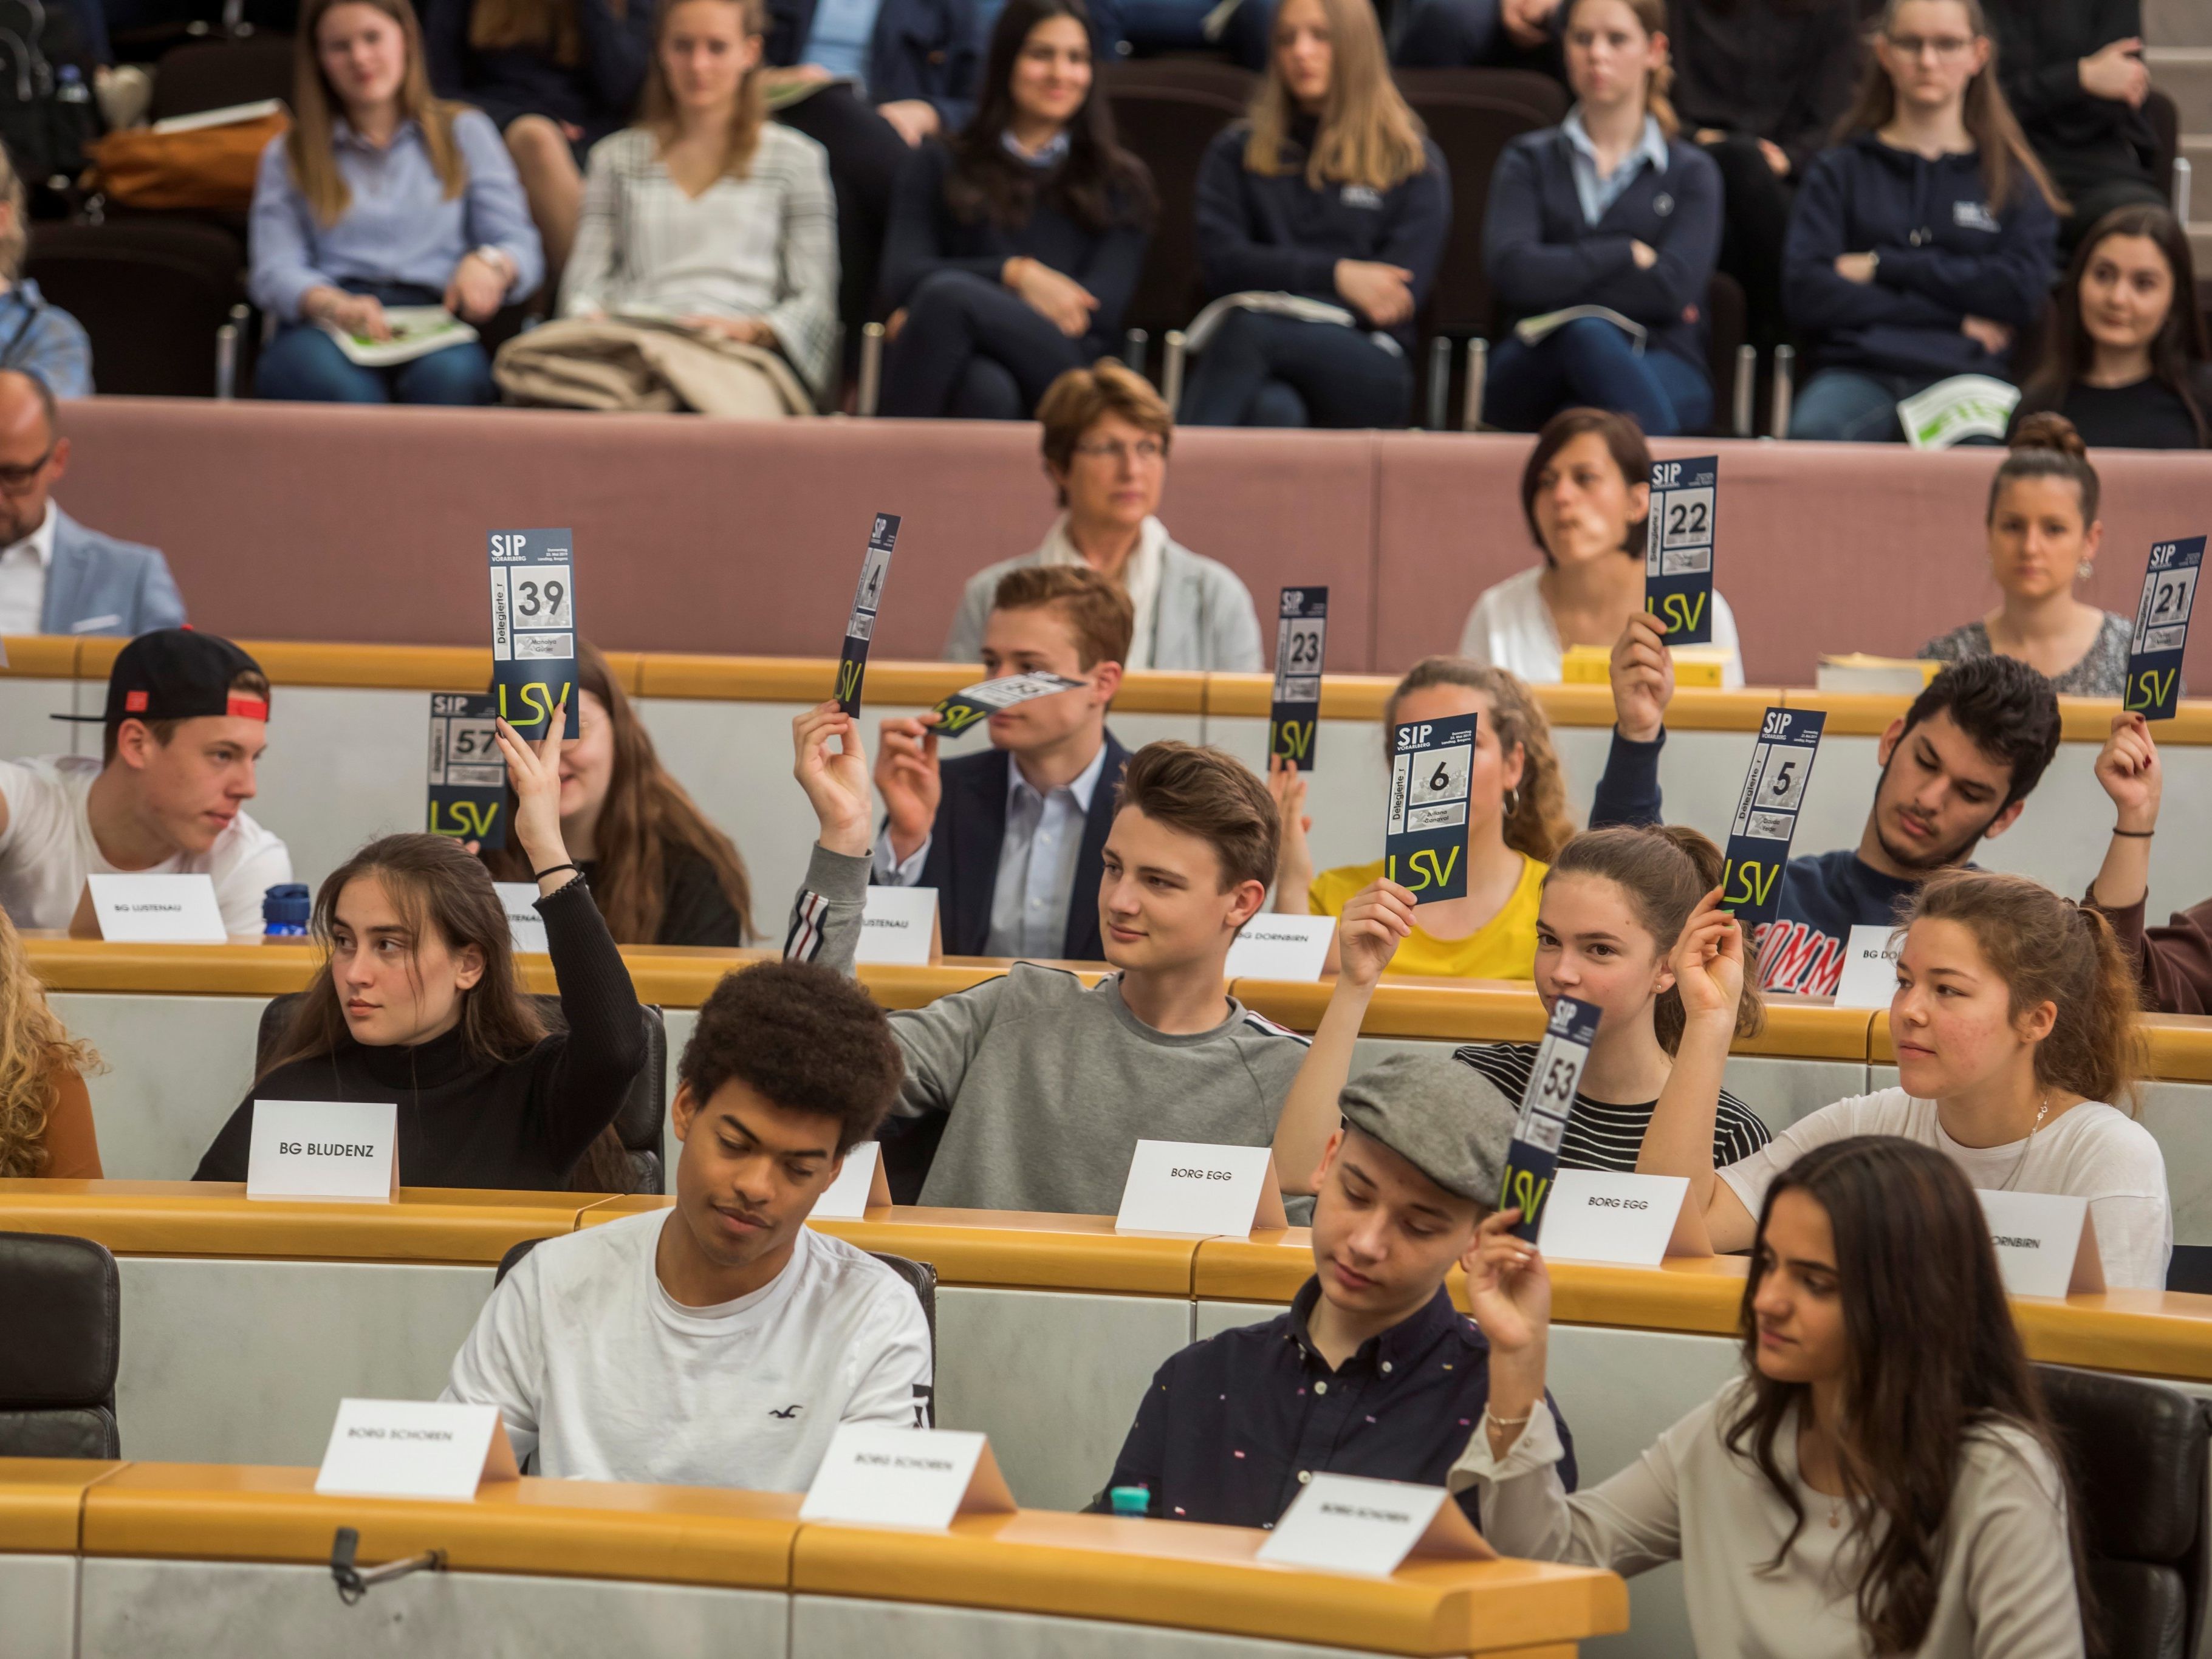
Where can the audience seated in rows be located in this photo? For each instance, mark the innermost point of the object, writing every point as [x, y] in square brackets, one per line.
[1044, 1087]
[1957, 768]
[1482, 34]
[2044, 534]
[556, 77]
[1586, 497]
[722, 1342]
[419, 997]
[1015, 245]
[1516, 819]
[56, 576]
[1922, 243]
[2127, 363]
[1609, 209]
[1882, 1478]
[36, 337]
[2015, 1025]
[1106, 437]
[1013, 838]
[660, 873]
[1612, 906]
[380, 195]
[1329, 192]
[1371, 1371]
[2075, 77]
[705, 271]
[46, 1125]
[185, 722]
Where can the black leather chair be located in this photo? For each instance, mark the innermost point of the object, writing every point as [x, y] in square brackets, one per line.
[637, 1124]
[2137, 1454]
[58, 1364]
[204, 75]
[155, 293]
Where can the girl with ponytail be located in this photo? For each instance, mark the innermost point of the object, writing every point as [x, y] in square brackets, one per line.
[1609, 208]
[2015, 1026]
[2044, 533]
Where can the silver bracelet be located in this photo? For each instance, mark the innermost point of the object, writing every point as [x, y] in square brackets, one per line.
[1498, 1422]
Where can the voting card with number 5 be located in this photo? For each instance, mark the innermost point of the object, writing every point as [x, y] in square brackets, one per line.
[1766, 813]
[1678, 547]
[1532, 1158]
[1425, 836]
[534, 628]
[1301, 636]
[468, 775]
[2153, 682]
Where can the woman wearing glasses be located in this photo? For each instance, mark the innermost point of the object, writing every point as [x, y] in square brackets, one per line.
[1106, 437]
[1924, 243]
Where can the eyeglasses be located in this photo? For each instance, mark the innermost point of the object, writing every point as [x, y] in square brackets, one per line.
[1939, 46]
[1146, 449]
[14, 480]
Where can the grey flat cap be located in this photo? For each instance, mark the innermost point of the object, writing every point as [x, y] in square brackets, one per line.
[1440, 1116]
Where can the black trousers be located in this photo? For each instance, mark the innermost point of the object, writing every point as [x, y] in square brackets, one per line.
[1278, 371]
[1753, 230]
[865, 154]
[974, 349]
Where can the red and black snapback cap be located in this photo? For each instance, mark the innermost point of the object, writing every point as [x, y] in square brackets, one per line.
[178, 674]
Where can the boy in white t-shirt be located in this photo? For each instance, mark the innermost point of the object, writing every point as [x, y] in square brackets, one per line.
[185, 723]
[721, 1342]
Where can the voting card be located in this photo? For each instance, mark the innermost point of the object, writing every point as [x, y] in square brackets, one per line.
[1546, 1105]
[1301, 634]
[977, 703]
[1678, 549]
[1425, 836]
[2153, 682]
[468, 774]
[860, 627]
[1766, 814]
[533, 629]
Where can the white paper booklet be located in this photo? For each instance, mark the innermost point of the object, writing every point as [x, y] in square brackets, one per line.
[1529, 330]
[1295, 305]
[1951, 411]
[416, 332]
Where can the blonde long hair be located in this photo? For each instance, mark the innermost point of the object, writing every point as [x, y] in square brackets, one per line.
[1369, 134]
[548, 26]
[660, 118]
[36, 1053]
[1538, 824]
[310, 145]
[1651, 17]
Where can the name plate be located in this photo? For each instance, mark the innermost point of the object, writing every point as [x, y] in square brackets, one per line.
[525, 928]
[1182, 1188]
[340, 1149]
[921, 1477]
[1532, 1156]
[861, 1186]
[899, 928]
[1869, 978]
[1348, 1523]
[2046, 1243]
[156, 909]
[1596, 1215]
[1282, 947]
[438, 1449]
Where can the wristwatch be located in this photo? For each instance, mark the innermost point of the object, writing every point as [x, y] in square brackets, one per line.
[497, 257]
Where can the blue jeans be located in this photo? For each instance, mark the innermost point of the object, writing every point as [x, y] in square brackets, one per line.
[303, 365]
[1853, 406]
[1591, 364]
[1259, 370]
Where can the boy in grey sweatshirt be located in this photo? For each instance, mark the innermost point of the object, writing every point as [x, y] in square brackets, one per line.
[1049, 1086]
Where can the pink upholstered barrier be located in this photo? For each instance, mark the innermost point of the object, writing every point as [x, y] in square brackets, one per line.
[330, 523]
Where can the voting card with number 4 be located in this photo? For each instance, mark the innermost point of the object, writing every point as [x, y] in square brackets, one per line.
[1766, 814]
[534, 628]
[1533, 1158]
[1301, 637]
[468, 774]
[1425, 836]
[2153, 682]
[867, 598]
[1678, 547]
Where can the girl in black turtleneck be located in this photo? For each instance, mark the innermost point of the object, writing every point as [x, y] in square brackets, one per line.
[419, 1002]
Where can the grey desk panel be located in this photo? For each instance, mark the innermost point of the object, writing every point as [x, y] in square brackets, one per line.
[245, 1361]
[1054, 1378]
[160, 1609]
[1783, 1091]
[838, 1627]
[26, 711]
[177, 1067]
[344, 766]
[38, 1607]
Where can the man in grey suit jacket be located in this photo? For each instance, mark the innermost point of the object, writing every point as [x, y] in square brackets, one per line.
[56, 575]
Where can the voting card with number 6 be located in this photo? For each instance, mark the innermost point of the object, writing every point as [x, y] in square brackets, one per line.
[1425, 836]
[534, 628]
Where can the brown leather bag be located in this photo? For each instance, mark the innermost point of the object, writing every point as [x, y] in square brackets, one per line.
[209, 168]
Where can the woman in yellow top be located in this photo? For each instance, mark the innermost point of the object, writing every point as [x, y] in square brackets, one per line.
[46, 1116]
[1516, 819]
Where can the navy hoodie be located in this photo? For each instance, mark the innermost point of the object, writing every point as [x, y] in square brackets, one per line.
[1945, 255]
[1276, 233]
[1543, 255]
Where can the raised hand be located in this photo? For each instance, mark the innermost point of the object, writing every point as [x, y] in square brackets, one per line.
[1707, 961]
[1508, 1287]
[836, 780]
[535, 774]
[907, 776]
[1643, 674]
[1374, 920]
[2128, 770]
[1293, 857]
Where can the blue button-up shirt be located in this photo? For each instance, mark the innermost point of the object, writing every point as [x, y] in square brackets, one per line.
[1600, 190]
[399, 226]
[840, 36]
[44, 340]
[1232, 1427]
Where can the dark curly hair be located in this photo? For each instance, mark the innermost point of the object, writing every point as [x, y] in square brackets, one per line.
[802, 1037]
[2005, 707]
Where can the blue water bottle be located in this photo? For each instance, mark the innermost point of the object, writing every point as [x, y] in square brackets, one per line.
[285, 910]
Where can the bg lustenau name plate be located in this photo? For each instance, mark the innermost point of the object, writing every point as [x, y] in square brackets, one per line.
[534, 628]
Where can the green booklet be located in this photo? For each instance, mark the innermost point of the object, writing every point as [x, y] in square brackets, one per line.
[416, 332]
